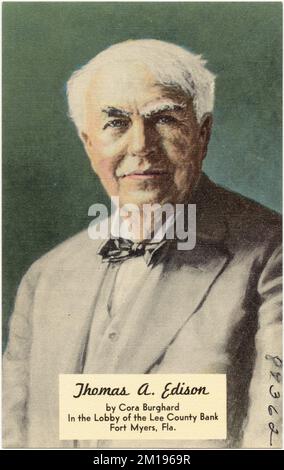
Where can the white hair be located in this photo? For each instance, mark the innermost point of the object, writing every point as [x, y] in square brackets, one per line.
[172, 66]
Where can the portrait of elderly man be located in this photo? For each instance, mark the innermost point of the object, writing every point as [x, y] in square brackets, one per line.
[143, 111]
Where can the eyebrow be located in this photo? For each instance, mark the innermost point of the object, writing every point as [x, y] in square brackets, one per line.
[115, 112]
[166, 107]
[111, 111]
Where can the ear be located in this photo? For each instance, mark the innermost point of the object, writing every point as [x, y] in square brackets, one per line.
[85, 138]
[86, 142]
[87, 146]
[205, 132]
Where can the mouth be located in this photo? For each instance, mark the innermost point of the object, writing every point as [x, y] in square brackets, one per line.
[147, 174]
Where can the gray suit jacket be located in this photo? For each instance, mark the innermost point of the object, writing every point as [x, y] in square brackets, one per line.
[214, 309]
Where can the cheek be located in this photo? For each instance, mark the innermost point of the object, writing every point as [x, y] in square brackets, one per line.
[104, 167]
[105, 157]
[183, 154]
[180, 150]
[104, 164]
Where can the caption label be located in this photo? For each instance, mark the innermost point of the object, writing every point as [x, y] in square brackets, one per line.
[139, 406]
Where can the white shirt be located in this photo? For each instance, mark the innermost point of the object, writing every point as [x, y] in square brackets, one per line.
[119, 288]
[111, 312]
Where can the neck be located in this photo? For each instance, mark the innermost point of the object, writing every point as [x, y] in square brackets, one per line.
[143, 224]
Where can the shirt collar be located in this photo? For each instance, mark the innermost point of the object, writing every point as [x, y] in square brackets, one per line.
[119, 228]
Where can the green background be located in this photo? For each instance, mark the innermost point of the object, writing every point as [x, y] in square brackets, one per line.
[47, 182]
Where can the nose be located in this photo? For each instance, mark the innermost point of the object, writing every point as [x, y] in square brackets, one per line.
[140, 139]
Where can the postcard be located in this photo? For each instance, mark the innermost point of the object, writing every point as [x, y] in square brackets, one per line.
[141, 219]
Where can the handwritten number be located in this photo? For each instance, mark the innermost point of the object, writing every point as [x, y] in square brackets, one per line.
[275, 359]
[276, 376]
[271, 408]
[273, 394]
[277, 362]
[273, 430]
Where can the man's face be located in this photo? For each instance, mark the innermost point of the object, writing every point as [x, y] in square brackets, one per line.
[143, 140]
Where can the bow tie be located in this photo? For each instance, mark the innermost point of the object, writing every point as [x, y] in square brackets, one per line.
[120, 249]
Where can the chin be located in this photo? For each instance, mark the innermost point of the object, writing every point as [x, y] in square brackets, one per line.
[142, 197]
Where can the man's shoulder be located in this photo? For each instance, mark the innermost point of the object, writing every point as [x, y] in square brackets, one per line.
[75, 252]
[244, 217]
[238, 204]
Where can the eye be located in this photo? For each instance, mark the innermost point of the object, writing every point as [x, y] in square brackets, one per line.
[117, 123]
[165, 120]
